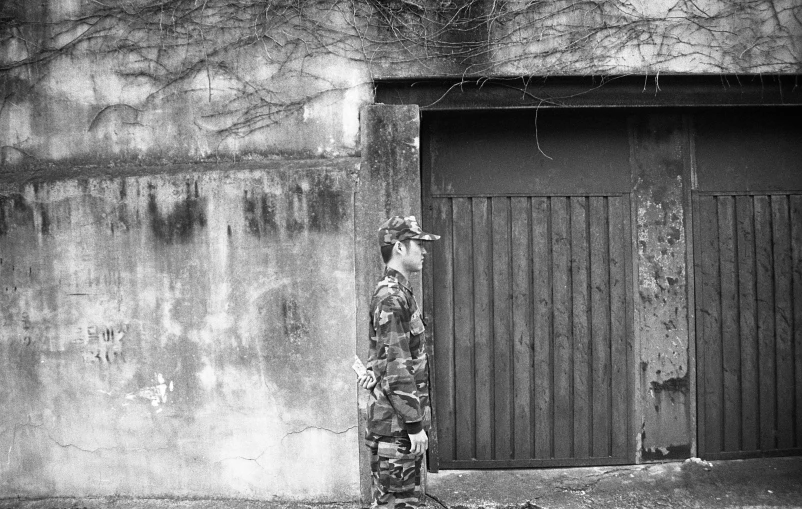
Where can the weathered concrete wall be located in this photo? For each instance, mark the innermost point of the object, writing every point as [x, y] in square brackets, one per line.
[659, 36]
[85, 83]
[565, 37]
[173, 335]
[388, 184]
[90, 83]
[659, 148]
[180, 335]
[83, 111]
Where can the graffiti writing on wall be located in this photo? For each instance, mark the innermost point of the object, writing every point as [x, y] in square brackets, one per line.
[103, 344]
[26, 329]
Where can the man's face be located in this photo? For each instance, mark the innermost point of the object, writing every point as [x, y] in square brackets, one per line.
[412, 255]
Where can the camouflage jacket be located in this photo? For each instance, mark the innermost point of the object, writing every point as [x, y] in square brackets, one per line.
[400, 402]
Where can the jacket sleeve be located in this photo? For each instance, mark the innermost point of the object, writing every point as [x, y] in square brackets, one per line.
[398, 382]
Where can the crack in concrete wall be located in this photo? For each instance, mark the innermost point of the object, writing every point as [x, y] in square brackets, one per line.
[232, 343]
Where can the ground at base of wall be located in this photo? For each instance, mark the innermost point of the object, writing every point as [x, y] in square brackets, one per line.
[164, 503]
[752, 484]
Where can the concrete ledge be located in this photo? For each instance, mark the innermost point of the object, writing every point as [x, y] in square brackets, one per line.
[65, 171]
[723, 484]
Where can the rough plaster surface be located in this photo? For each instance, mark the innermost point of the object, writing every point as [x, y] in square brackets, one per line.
[659, 36]
[662, 288]
[85, 109]
[180, 335]
[122, 94]
[388, 183]
[564, 37]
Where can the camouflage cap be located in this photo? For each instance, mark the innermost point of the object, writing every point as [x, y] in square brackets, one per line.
[397, 229]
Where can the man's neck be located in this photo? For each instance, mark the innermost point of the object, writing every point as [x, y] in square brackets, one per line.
[398, 268]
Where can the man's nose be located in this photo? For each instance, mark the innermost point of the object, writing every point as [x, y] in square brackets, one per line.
[423, 250]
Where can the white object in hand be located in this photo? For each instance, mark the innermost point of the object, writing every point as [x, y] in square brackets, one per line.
[358, 367]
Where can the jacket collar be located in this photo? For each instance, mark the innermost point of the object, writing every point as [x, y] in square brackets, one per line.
[392, 273]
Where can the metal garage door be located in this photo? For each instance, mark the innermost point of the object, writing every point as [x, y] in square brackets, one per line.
[748, 266]
[529, 289]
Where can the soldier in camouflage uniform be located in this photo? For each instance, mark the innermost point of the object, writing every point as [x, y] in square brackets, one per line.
[398, 408]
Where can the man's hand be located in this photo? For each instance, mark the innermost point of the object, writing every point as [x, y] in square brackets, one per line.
[366, 382]
[420, 442]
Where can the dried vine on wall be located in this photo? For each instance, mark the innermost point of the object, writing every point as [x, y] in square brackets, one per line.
[267, 51]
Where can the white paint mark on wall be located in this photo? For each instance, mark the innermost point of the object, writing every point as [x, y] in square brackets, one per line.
[354, 98]
[156, 394]
[208, 377]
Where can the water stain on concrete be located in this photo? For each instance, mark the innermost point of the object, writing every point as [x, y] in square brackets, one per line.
[259, 210]
[320, 208]
[670, 452]
[296, 328]
[14, 210]
[45, 225]
[296, 210]
[327, 209]
[677, 384]
[178, 225]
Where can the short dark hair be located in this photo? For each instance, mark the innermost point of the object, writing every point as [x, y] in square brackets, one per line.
[387, 251]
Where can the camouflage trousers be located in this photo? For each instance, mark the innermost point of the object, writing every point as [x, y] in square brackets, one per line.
[395, 472]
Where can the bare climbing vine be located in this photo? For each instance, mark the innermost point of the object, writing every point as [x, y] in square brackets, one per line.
[258, 60]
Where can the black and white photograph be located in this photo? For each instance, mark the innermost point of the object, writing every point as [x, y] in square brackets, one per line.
[400, 254]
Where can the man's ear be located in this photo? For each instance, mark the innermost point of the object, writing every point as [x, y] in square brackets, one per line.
[399, 247]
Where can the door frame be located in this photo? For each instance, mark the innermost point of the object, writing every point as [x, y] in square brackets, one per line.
[621, 189]
[478, 93]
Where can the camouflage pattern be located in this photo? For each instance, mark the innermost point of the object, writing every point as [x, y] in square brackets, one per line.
[397, 357]
[399, 403]
[398, 229]
[395, 472]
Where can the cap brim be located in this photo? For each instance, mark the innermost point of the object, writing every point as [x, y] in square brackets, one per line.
[426, 236]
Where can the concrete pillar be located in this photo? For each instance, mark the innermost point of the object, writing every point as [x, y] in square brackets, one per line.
[388, 184]
[659, 173]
